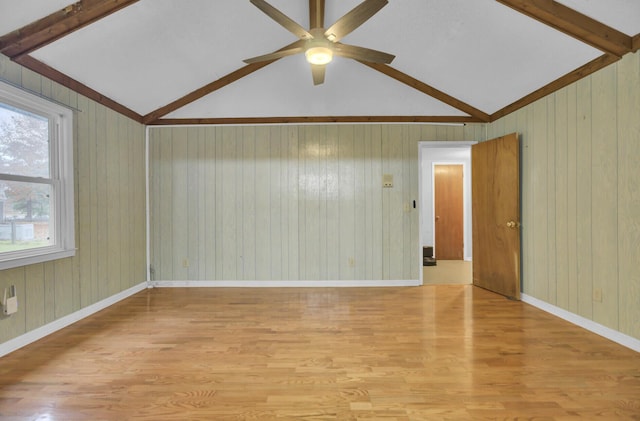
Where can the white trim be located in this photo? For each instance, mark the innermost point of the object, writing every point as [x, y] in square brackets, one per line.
[39, 333]
[147, 206]
[446, 143]
[420, 246]
[585, 323]
[284, 284]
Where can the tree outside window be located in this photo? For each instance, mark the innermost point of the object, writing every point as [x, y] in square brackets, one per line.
[24, 151]
[36, 179]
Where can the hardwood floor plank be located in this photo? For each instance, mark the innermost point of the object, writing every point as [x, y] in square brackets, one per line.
[431, 352]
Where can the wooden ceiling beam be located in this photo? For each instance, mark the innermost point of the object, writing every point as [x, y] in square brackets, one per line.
[581, 72]
[58, 24]
[209, 88]
[205, 90]
[574, 24]
[635, 44]
[315, 120]
[428, 90]
[64, 80]
[20, 42]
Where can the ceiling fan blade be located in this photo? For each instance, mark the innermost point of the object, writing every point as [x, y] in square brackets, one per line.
[353, 19]
[361, 53]
[282, 19]
[316, 14]
[289, 50]
[318, 70]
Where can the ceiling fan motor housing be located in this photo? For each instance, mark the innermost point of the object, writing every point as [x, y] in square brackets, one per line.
[319, 44]
[318, 50]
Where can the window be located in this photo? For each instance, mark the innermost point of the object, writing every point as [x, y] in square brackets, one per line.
[36, 179]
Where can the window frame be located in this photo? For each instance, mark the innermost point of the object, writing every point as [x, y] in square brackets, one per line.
[61, 123]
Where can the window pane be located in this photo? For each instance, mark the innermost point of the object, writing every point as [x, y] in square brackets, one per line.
[25, 210]
[24, 143]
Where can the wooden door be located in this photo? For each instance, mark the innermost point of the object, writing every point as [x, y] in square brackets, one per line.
[448, 204]
[495, 179]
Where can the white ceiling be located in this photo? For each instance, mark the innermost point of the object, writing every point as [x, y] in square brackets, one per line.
[156, 51]
[624, 15]
[16, 14]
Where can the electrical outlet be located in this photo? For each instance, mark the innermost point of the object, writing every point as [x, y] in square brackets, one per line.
[352, 262]
[597, 295]
[185, 263]
[11, 306]
[10, 303]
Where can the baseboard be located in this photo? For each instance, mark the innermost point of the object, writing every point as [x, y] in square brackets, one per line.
[284, 284]
[585, 323]
[39, 333]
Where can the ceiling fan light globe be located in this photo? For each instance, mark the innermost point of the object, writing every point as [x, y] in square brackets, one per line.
[319, 55]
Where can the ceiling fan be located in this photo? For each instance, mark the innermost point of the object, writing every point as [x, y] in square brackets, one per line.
[320, 44]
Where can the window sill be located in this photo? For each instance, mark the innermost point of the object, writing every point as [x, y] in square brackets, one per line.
[38, 258]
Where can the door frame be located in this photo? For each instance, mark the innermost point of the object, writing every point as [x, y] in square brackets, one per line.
[423, 150]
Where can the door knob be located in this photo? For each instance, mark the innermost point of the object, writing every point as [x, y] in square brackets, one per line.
[513, 224]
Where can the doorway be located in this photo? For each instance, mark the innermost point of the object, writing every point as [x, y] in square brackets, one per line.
[448, 202]
[447, 269]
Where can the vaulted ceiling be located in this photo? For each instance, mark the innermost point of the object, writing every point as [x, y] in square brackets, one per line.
[172, 62]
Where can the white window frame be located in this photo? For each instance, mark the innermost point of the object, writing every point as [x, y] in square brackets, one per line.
[61, 178]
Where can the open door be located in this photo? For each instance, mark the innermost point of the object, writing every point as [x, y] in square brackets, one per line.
[495, 169]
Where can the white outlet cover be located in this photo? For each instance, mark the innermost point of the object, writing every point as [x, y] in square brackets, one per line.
[11, 305]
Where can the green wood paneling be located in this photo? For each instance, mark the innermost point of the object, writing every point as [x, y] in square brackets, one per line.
[109, 156]
[306, 202]
[581, 195]
[288, 202]
[628, 210]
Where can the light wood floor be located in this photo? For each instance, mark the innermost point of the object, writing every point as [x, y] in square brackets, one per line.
[424, 353]
[448, 272]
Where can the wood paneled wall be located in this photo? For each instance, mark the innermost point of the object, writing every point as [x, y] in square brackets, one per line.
[581, 195]
[288, 202]
[109, 157]
[306, 202]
